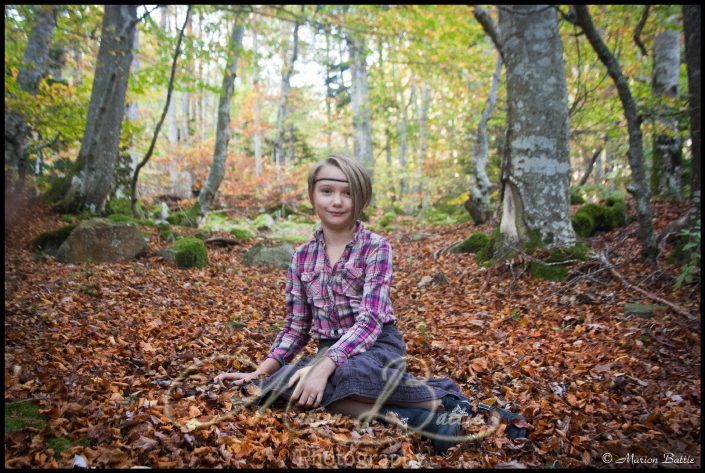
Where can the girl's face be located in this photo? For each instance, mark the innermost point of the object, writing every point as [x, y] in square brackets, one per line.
[332, 200]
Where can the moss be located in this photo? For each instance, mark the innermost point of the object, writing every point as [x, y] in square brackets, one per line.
[52, 239]
[59, 444]
[583, 224]
[533, 243]
[387, 220]
[190, 252]
[576, 197]
[122, 218]
[21, 415]
[242, 233]
[577, 252]
[68, 218]
[473, 244]
[188, 218]
[122, 206]
[548, 272]
[165, 232]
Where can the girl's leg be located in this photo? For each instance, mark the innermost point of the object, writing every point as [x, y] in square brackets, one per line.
[354, 406]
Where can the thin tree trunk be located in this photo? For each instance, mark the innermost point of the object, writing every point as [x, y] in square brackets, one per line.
[288, 68]
[99, 147]
[423, 144]
[667, 146]
[360, 100]
[638, 187]
[692, 25]
[589, 167]
[257, 136]
[478, 205]
[172, 133]
[220, 154]
[34, 65]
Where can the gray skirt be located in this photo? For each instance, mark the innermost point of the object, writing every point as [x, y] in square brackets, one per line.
[379, 372]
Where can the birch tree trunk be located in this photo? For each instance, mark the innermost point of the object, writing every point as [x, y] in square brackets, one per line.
[360, 101]
[99, 147]
[537, 177]
[34, 65]
[667, 145]
[638, 187]
[423, 142]
[478, 205]
[172, 133]
[403, 121]
[222, 133]
[287, 69]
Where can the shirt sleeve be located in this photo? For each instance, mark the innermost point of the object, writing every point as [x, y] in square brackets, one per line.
[297, 326]
[374, 305]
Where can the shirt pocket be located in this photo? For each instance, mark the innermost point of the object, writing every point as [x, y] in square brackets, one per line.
[311, 281]
[351, 282]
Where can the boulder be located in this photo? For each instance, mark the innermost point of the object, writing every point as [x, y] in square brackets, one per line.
[278, 256]
[100, 240]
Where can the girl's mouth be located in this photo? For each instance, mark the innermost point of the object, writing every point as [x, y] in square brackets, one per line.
[337, 214]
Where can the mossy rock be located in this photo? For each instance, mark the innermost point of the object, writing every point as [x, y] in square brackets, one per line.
[548, 272]
[51, 241]
[122, 218]
[578, 252]
[583, 224]
[122, 206]
[576, 197]
[242, 233]
[292, 231]
[473, 244]
[189, 252]
[21, 415]
[263, 221]
[387, 220]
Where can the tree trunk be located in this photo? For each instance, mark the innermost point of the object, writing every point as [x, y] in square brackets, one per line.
[638, 187]
[287, 69]
[257, 136]
[667, 145]
[34, 65]
[172, 133]
[692, 25]
[125, 169]
[478, 205]
[222, 134]
[360, 101]
[402, 128]
[536, 185]
[99, 147]
[423, 142]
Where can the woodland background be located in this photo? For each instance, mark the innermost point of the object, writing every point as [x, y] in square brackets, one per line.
[536, 169]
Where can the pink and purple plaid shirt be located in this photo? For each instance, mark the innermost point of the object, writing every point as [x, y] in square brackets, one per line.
[350, 301]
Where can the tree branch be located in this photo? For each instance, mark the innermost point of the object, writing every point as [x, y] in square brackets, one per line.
[489, 26]
[637, 31]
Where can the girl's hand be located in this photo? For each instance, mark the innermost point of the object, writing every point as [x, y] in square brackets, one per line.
[240, 378]
[311, 382]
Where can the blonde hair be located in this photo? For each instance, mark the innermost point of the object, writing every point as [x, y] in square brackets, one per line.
[358, 179]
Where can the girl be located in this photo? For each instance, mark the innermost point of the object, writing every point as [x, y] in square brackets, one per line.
[338, 292]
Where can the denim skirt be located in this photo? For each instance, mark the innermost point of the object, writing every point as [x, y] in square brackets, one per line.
[379, 372]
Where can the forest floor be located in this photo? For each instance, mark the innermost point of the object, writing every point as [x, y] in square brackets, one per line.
[119, 358]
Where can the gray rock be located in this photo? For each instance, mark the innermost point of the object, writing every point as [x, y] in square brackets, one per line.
[102, 241]
[278, 256]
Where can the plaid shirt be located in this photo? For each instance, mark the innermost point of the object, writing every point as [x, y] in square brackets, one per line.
[349, 301]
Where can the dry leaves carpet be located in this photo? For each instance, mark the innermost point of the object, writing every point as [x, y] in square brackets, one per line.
[120, 357]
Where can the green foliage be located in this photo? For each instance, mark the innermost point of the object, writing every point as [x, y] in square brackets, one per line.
[21, 415]
[190, 252]
[473, 244]
[583, 224]
[690, 247]
[165, 232]
[242, 233]
[52, 240]
[387, 220]
[121, 218]
[533, 243]
[578, 252]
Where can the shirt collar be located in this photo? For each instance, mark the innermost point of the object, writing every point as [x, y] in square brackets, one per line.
[318, 234]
